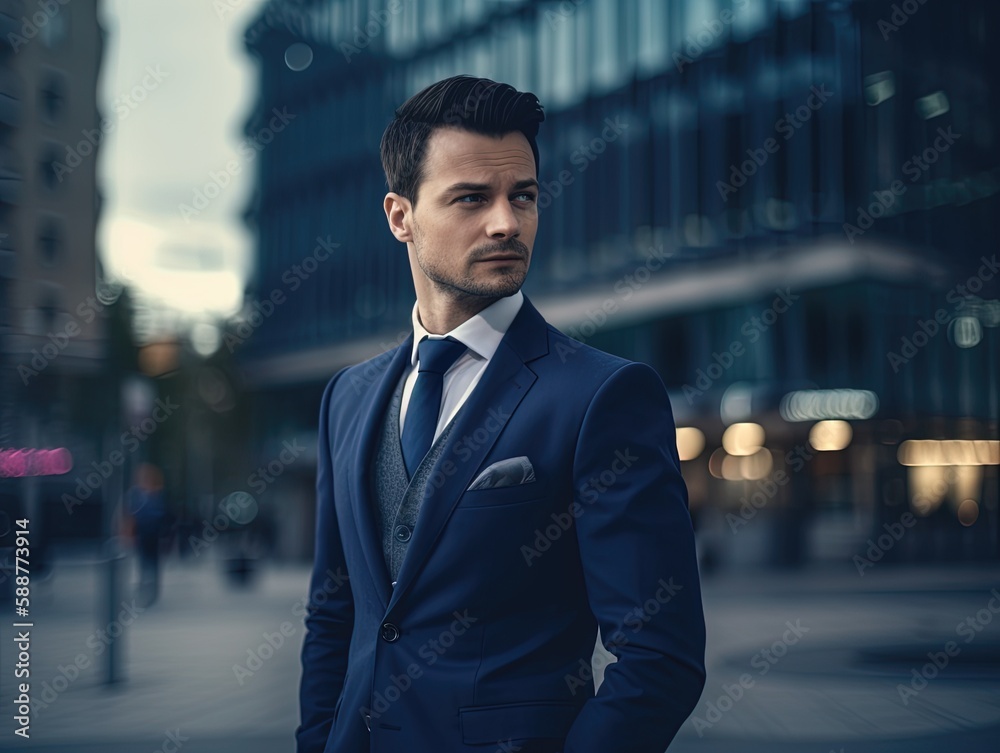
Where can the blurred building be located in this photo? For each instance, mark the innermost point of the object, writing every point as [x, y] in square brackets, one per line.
[787, 207]
[53, 410]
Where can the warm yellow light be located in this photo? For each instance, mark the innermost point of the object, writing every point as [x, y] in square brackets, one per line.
[756, 466]
[743, 439]
[830, 436]
[949, 452]
[715, 462]
[690, 442]
[745, 467]
[968, 484]
[928, 486]
[731, 470]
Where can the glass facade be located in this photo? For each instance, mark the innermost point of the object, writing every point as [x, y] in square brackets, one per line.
[697, 159]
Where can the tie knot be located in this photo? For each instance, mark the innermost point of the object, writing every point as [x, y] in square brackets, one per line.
[437, 356]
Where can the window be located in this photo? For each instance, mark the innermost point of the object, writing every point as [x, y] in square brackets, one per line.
[50, 239]
[750, 19]
[52, 98]
[51, 171]
[603, 16]
[652, 20]
[55, 31]
[561, 47]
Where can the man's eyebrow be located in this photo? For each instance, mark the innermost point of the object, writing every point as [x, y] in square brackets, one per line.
[467, 187]
[527, 183]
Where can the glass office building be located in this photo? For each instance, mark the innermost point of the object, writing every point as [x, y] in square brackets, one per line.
[786, 207]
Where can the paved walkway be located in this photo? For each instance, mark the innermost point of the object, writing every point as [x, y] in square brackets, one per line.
[830, 684]
[833, 683]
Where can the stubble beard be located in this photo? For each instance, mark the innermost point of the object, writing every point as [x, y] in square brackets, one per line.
[505, 283]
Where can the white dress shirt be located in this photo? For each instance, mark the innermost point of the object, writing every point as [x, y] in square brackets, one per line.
[481, 334]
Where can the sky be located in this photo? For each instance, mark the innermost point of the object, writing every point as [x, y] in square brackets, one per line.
[176, 86]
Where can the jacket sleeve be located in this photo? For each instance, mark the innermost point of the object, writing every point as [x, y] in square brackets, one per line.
[329, 617]
[637, 547]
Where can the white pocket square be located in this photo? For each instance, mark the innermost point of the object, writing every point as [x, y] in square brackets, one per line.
[509, 472]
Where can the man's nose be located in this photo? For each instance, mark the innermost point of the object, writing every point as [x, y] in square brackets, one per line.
[503, 221]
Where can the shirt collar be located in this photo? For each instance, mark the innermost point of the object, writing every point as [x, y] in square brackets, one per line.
[481, 333]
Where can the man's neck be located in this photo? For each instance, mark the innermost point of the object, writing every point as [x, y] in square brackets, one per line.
[451, 314]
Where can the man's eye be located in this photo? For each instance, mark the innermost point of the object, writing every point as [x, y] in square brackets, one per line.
[470, 196]
[531, 196]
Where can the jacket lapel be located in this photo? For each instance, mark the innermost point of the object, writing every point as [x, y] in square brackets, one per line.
[386, 372]
[503, 385]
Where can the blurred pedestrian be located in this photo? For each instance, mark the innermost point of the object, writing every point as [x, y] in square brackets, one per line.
[147, 511]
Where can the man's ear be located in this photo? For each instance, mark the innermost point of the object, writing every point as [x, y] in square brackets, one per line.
[397, 213]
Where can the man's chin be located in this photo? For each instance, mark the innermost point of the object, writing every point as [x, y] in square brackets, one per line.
[494, 288]
[503, 291]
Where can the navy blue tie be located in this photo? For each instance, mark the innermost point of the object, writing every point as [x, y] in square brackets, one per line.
[435, 357]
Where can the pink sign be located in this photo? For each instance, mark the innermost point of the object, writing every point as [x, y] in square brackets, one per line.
[17, 463]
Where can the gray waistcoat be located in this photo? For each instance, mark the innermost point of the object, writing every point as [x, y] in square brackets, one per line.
[397, 497]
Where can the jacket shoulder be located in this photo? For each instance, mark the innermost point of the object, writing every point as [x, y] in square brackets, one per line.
[362, 376]
[577, 356]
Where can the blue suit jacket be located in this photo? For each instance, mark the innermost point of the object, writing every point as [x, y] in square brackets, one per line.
[485, 642]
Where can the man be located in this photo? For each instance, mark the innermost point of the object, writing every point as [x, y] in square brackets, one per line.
[148, 512]
[491, 492]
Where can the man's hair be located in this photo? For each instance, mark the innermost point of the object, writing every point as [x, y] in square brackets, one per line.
[473, 104]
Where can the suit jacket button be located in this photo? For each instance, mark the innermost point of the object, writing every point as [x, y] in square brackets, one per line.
[402, 533]
[390, 632]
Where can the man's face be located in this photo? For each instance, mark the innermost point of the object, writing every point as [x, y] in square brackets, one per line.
[478, 199]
